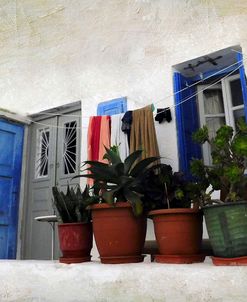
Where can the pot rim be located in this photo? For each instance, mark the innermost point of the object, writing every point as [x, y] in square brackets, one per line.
[118, 204]
[174, 211]
[225, 204]
[64, 224]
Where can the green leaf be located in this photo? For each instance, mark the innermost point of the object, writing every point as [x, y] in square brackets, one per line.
[129, 161]
[108, 196]
[201, 135]
[142, 165]
[119, 169]
[135, 201]
[95, 163]
[239, 145]
[112, 156]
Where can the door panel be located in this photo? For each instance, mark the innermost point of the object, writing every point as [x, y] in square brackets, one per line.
[68, 151]
[51, 163]
[41, 179]
[11, 144]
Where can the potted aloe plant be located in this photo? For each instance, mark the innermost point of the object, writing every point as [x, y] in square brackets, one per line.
[74, 224]
[226, 219]
[119, 221]
[177, 225]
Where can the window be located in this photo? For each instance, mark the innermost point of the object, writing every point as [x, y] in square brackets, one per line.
[42, 153]
[222, 103]
[112, 107]
[69, 147]
[218, 105]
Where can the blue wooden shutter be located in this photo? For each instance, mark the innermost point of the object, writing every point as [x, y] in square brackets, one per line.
[112, 107]
[187, 123]
[11, 144]
[243, 82]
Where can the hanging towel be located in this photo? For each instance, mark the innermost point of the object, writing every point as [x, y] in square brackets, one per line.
[93, 139]
[143, 135]
[105, 137]
[118, 137]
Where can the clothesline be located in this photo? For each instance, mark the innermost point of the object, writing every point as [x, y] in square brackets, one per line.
[168, 96]
[173, 106]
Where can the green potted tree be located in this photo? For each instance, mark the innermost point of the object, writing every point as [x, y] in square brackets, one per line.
[74, 224]
[226, 219]
[177, 225]
[119, 221]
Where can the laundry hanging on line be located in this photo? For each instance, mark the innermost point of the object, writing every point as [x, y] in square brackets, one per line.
[131, 131]
[163, 114]
[143, 134]
[119, 137]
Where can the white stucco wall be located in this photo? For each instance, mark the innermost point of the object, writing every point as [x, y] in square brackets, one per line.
[59, 51]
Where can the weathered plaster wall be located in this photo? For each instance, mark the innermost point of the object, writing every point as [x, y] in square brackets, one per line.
[47, 281]
[57, 51]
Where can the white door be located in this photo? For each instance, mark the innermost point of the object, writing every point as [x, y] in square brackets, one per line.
[53, 160]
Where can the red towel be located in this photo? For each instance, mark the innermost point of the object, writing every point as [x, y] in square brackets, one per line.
[93, 139]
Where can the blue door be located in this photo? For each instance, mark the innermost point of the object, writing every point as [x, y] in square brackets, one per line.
[11, 144]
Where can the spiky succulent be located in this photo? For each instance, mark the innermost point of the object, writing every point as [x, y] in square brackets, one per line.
[72, 205]
[119, 180]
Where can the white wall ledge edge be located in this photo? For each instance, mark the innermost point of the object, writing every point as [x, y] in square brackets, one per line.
[49, 281]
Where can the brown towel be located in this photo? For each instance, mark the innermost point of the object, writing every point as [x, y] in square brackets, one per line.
[143, 135]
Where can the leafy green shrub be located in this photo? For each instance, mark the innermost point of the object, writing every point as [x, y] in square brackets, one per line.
[229, 156]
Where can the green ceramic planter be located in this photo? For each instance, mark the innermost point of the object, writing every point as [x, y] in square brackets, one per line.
[227, 228]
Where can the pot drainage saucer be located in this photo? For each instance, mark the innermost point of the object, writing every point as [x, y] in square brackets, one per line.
[179, 259]
[230, 261]
[74, 260]
[122, 259]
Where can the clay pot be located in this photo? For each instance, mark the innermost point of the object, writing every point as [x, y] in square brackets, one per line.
[178, 234]
[227, 229]
[119, 235]
[75, 242]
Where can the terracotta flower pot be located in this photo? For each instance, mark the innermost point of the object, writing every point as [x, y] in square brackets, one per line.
[75, 242]
[178, 234]
[119, 235]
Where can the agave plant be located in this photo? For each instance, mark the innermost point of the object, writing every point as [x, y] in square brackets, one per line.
[229, 155]
[119, 180]
[72, 205]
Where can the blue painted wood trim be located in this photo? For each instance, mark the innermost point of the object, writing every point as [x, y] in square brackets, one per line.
[18, 129]
[210, 74]
[243, 82]
[179, 121]
[114, 106]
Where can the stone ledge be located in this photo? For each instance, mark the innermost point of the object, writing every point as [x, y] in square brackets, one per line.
[50, 281]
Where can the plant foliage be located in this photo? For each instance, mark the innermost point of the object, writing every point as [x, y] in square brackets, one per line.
[163, 188]
[72, 205]
[229, 157]
[119, 180]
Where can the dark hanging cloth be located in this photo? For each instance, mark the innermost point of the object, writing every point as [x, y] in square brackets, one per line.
[163, 114]
[126, 124]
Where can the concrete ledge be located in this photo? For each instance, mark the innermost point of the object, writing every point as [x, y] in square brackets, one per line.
[47, 281]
